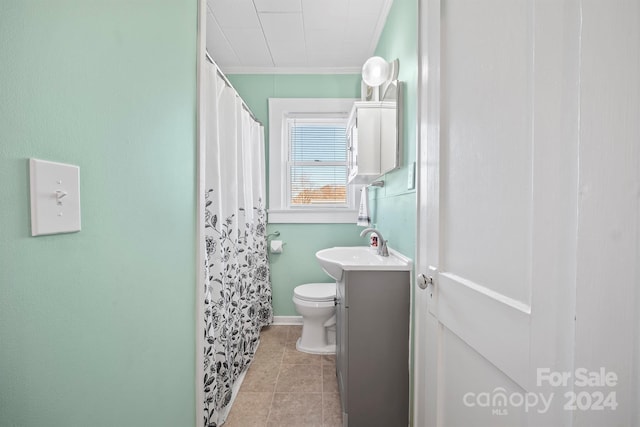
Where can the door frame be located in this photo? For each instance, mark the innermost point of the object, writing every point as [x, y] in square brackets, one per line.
[424, 401]
[201, 40]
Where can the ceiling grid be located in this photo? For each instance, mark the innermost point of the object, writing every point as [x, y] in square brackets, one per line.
[294, 36]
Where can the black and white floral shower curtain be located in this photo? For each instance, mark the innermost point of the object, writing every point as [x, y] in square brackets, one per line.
[237, 294]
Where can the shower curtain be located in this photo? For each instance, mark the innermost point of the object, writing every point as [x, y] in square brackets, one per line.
[237, 294]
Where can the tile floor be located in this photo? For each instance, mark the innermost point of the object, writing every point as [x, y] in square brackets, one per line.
[285, 387]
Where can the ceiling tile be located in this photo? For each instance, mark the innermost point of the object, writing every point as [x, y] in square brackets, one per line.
[300, 34]
[288, 53]
[282, 26]
[359, 28]
[327, 60]
[278, 5]
[326, 14]
[367, 6]
[353, 53]
[250, 46]
[323, 40]
[217, 44]
[234, 13]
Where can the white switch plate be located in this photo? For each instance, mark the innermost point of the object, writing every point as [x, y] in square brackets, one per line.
[55, 197]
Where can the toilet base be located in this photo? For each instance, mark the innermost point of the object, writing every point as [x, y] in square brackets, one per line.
[328, 349]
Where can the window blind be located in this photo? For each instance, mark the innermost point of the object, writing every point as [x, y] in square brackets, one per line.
[317, 163]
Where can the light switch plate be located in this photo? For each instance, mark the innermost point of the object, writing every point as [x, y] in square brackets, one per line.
[55, 197]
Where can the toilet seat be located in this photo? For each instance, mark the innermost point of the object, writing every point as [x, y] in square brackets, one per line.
[315, 292]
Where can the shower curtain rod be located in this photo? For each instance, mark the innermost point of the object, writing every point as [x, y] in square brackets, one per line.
[228, 83]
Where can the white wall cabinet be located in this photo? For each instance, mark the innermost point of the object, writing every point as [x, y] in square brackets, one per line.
[372, 133]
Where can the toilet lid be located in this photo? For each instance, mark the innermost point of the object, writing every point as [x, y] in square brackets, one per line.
[316, 291]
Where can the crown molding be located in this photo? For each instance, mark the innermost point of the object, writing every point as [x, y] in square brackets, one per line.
[291, 70]
[382, 20]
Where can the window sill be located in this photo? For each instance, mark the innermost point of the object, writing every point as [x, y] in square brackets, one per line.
[312, 216]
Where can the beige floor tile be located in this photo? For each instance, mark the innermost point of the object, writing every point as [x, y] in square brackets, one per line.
[250, 409]
[329, 359]
[299, 379]
[272, 346]
[295, 357]
[285, 387]
[294, 421]
[260, 379]
[257, 403]
[246, 420]
[329, 379]
[273, 338]
[274, 333]
[268, 357]
[294, 332]
[331, 410]
[296, 409]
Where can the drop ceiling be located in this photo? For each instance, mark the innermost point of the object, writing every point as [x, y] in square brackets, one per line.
[294, 36]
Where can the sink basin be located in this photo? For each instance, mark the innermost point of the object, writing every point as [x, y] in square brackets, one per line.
[334, 261]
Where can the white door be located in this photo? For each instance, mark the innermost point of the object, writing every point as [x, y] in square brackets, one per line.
[497, 211]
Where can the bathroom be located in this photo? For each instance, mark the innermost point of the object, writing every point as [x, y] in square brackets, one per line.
[99, 327]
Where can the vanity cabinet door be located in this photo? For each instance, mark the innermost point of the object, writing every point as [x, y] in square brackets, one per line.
[375, 359]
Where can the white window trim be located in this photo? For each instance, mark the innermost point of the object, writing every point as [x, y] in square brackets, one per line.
[279, 212]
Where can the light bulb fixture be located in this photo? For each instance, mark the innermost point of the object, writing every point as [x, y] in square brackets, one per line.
[376, 71]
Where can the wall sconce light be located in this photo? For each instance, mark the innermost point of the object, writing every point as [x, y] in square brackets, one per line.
[377, 74]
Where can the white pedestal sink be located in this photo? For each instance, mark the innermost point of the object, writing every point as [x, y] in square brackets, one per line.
[334, 261]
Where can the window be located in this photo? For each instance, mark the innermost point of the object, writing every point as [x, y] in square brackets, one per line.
[317, 163]
[308, 161]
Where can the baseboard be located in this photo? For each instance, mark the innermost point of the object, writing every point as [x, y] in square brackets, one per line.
[287, 320]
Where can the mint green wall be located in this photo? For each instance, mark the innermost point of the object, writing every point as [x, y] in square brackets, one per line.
[256, 89]
[394, 206]
[98, 327]
[297, 264]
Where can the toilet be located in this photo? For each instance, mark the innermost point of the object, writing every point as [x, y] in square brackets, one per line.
[315, 302]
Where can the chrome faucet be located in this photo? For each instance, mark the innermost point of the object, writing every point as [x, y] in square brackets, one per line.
[382, 244]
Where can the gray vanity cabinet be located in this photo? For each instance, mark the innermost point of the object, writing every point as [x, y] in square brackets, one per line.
[372, 347]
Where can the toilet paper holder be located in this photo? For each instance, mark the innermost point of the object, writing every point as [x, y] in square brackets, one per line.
[276, 246]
